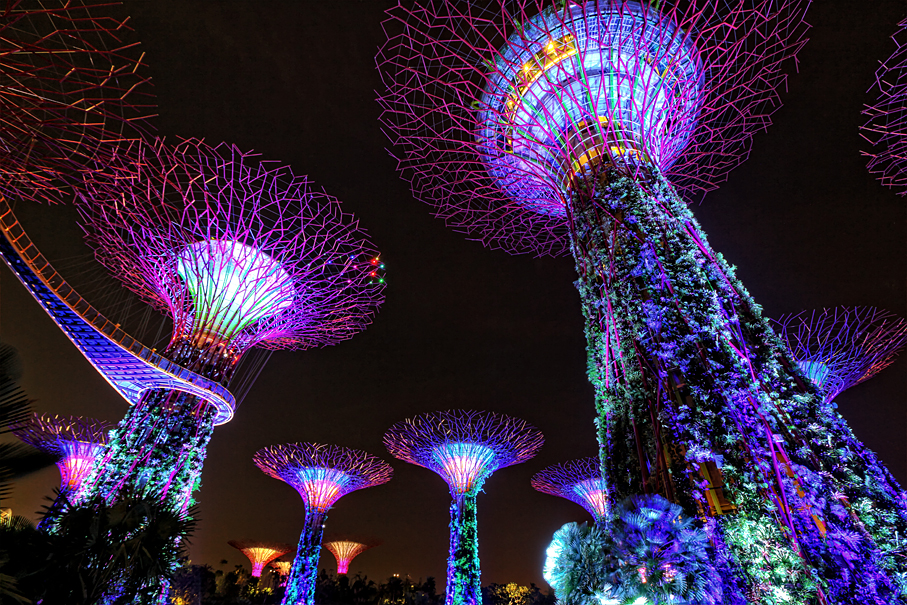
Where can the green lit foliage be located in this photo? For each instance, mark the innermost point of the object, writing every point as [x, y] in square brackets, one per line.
[121, 553]
[464, 584]
[686, 373]
[575, 566]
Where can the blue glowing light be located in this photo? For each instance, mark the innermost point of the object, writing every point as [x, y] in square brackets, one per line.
[464, 466]
[816, 371]
[594, 496]
[595, 80]
[320, 487]
[232, 286]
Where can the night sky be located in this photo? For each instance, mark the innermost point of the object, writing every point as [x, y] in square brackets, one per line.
[464, 326]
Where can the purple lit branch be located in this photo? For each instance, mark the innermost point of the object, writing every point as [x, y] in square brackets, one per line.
[322, 474]
[463, 446]
[841, 347]
[71, 89]
[887, 123]
[239, 253]
[579, 481]
[495, 110]
[77, 441]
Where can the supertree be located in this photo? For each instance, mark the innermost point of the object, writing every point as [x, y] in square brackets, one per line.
[543, 127]
[579, 481]
[77, 443]
[283, 569]
[345, 550]
[238, 254]
[260, 553]
[464, 447]
[71, 89]
[887, 118]
[322, 474]
[838, 348]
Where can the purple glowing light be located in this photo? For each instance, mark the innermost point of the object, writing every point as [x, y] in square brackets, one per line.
[887, 118]
[322, 474]
[840, 347]
[464, 466]
[463, 446]
[78, 442]
[493, 115]
[77, 461]
[579, 481]
[237, 252]
[320, 487]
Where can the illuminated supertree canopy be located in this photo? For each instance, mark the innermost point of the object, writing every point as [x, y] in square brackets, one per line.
[547, 126]
[239, 254]
[283, 569]
[77, 441]
[841, 347]
[322, 474]
[260, 553]
[71, 90]
[345, 550]
[887, 118]
[579, 481]
[464, 447]
[493, 135]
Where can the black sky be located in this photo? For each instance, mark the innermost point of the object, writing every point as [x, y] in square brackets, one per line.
[463, 326]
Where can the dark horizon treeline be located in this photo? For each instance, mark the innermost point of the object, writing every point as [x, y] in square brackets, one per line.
[202, 585]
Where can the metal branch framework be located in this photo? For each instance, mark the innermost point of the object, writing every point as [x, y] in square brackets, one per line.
[322, 474]
[260, 553]
[464, 447]
[536, 126]
[887, 118]
[345, 550]
[840, 347]
[239, 253]
[579, 481]
[495, 107]
[72, 89]
[76, 440]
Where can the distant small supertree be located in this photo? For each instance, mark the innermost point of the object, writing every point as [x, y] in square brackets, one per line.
[345, 550]
[579, 481]
[76, 441]
[71, 90]
[464, 447]
[887, 118]
[239, 254]
[322, 474]
[260, 553]
[283, 569]
[841, 347]
[836, 349]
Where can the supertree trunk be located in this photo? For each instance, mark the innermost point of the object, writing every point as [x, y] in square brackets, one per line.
[698, 401]
[158, 449]
[464, 585]
[304, 573]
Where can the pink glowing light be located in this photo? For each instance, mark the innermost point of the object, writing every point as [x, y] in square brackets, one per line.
[579, 481]
[321, 487]
[78, 459]
[465, 466]
[345, 551]
[260, 553]
[594, 495]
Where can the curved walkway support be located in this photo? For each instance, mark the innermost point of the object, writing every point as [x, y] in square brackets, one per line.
[128, 365]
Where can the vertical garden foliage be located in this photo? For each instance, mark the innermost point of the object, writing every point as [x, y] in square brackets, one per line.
[304, 573]
[157, 450]
[463, 571]
[697, 398]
